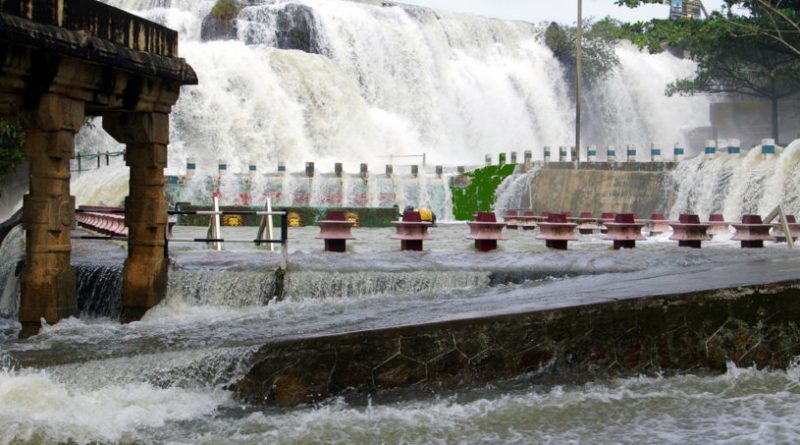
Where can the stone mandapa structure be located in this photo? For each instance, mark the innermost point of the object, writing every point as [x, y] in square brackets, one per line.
[692, 332]
[64, 60]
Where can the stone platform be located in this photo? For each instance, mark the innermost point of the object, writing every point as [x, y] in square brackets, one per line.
[694, 320]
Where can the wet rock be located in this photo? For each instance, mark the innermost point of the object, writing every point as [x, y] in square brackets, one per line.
[295, 28]
[220, 23]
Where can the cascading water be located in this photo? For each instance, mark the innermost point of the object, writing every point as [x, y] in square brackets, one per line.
[514, 192]
[336, 81]
[744, 184]
[12, 251]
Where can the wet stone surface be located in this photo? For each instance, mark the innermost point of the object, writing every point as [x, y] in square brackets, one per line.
[693, 332]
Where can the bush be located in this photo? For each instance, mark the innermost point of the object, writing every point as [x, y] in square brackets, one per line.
[225, 10]
[12, 139]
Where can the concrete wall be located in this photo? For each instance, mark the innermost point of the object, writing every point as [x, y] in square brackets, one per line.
[597, 191]
[696, 332]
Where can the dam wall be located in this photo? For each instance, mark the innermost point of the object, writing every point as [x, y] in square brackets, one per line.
[638, 188]
[692, 332]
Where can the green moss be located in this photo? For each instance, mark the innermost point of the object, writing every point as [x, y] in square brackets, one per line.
[479, 195]
[225, 10]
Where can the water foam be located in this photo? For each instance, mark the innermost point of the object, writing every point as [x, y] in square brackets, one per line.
[34, 407]
[737, 185]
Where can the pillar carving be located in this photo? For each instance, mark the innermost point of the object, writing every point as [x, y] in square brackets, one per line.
[49, 289]
[146, 136]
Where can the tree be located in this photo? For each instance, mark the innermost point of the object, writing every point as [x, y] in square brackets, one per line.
[12, 138]
[599, 41]
[737, 53]
[780, 22]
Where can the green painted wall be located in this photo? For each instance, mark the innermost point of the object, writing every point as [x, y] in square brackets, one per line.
[479, 194]
[305, 216]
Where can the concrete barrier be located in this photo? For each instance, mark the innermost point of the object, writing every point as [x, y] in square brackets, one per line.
[689, 332]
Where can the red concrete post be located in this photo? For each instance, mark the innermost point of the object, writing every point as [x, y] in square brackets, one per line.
[556, 231]
[689, 232]
[624, 231]
[486, 231]
[752, 232]
[335, 230]
[411, 231]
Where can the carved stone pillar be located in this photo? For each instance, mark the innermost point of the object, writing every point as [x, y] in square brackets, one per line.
[49, 288]
[146, 136]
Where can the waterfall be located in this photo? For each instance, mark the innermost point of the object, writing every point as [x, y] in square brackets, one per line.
[12, 252]
[514, 192]
[737, 185]
[338, 81]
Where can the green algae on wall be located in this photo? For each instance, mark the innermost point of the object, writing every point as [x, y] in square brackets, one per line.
[479, 194]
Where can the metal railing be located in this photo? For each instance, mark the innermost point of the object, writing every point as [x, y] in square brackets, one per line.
[83, 160]
[215, 238]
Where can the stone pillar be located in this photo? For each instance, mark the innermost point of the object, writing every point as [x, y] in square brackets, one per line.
[49, 287]
[146, 136]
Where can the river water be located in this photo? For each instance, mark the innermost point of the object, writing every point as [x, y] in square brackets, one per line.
[163, 379]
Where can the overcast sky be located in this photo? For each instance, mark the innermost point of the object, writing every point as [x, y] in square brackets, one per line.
[563, 11]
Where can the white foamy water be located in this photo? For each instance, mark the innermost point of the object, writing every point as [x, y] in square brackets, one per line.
[36, 408]
[392, 80]
[735, 185]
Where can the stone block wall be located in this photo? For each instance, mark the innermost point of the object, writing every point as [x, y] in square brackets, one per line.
[690, 333]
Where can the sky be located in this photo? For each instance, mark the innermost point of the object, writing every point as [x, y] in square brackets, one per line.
[562, 11]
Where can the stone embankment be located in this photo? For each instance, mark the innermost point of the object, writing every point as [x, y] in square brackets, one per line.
[689, 331]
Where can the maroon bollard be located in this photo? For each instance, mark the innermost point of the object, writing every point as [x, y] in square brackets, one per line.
[794, 230]
[335, 230]
[486, 231]
[411, 231]
[718, 225]
[605, 218]
[752, 232]
[527, 220]
[556, 231]
[688, 231]
[587, 223]
[511, 219]
[658, 224]
[624, 231]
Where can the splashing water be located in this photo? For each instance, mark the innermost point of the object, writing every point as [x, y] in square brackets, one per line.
[745, 184]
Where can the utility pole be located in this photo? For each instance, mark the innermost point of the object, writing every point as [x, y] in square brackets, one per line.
[578, 37]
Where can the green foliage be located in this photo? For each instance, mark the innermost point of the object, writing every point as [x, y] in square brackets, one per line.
[479, 195]
[598, 43]
[225, 10]
[12, 139]
[741, 53]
